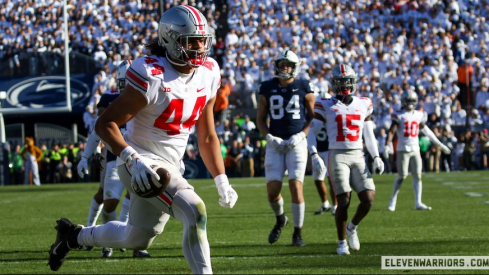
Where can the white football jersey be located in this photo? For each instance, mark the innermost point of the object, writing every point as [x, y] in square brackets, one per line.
[407, 129]
[163, 126]
[344, 123]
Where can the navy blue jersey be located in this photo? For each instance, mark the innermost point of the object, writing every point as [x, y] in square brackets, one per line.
[104, 101]
[286, 107]
[322, 143]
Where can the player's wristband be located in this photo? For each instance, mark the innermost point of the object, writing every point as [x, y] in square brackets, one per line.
[221, 180]
[126, 153]
[314, 153]
[376, 157]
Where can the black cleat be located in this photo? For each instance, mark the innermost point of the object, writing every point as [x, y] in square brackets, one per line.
[277, 230]
[122, 250]
[59, 250]
[88, 248]
[297, 240]
[140, 254]
[321, 210]
[107, 252]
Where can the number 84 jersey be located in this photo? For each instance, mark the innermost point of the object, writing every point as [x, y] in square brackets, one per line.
[344, 123]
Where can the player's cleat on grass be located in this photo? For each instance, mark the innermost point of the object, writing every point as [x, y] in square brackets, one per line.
[392, 205]
[107, 252]
[88, 248]
[342, 249]
[277, 230]
[122, 250]
[297, 240]
[65, 241]
[422, 206]
[140, 254]
[353, 239]
[322, 209]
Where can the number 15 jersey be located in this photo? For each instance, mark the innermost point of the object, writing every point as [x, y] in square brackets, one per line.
[344, 123]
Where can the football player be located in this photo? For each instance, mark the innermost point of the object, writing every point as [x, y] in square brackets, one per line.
[346, 118]
[289, 104]
[407, 123]
[168, 92]
[111, 187]
[322, 146]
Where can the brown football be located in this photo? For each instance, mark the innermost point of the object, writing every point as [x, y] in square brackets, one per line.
[157, 187]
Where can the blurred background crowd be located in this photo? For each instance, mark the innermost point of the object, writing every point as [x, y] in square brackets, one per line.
[437, 48]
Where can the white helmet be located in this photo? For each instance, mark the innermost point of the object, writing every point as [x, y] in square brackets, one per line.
[176, 26]
[344, 80]
[291, 57]
[120, 77]
[409, 99]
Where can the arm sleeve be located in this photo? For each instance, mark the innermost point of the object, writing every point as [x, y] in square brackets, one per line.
[370, 141]
[427, 132]
[314, 130]
[92, 144]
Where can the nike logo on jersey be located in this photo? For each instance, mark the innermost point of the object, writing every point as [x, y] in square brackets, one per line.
[295, 90]
[334, 110]
[198, 90]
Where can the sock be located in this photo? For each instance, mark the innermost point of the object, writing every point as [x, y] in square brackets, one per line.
[298, 213]
[341, 242]
[124, 214]
[418, 189]
[93, 213]
[396, 187]
[73, 242]
[351, 226]
[107, 217]
[278, 207]
[280, 219]
[297, 231]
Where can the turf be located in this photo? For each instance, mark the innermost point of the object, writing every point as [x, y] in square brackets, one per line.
[457, 226]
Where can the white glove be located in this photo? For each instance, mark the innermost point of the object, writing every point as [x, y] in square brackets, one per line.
[294, 140]
[276, 143]
[228, 195]
[138, 168]
[317, 164]
[445, 149]
[82, 167]
[378, 164]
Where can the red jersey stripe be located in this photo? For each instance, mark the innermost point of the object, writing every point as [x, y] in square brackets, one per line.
[136, 79]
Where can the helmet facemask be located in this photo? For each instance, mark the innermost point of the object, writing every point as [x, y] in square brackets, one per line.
[344, 85]
[289, 57]
[409, 102]
[190, 57]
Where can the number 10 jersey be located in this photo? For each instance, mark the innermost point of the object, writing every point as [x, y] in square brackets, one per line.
[344, 123]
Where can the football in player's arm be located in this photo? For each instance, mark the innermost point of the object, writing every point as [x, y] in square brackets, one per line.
[168, 93]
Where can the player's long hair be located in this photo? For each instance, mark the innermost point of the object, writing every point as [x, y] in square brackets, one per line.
[155, 49]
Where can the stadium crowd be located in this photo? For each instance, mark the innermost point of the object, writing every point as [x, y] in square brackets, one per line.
[439, 49]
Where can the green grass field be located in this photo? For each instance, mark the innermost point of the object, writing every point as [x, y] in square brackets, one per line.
[457, 226]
